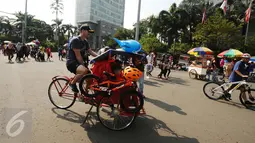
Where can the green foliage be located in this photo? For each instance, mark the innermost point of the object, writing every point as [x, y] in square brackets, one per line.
[124, 34]
[250, 48]
[179, 48]
[219, 33]
[150, 42]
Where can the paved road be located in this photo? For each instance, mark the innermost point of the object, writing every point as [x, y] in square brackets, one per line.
[177, 111]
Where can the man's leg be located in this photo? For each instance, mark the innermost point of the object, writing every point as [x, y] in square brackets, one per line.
[80, 71]
[243, 92]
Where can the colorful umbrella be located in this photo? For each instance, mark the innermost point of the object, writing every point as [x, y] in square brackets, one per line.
[200, 51]
[252, 59]
[231, 53]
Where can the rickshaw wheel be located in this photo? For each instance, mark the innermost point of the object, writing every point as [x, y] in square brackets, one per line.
[112, 117]
[193, 74]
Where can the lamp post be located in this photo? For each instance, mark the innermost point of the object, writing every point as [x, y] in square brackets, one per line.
[138, 21]
[24, 25]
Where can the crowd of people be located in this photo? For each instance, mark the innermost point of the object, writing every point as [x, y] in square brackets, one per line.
[36, 51]
[225, 67]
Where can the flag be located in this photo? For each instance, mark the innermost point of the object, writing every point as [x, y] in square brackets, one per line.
[224, 6]
[248, 13]
[204, 16]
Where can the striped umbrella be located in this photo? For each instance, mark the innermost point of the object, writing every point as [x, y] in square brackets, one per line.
[231, 53]
[200, 51]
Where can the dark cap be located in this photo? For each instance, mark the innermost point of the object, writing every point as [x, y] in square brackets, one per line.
[86, 27]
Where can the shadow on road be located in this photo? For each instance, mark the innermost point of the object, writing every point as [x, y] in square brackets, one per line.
[68, 115]
[152, 83]
[10, 62]
[238, 105]
[171, 80]
[145, 129]
[165, 106]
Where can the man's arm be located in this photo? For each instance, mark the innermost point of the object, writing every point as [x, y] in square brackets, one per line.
[78, 55]
[94, 54]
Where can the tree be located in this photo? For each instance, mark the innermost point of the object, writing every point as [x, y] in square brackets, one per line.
[192, 13]
[150, 42]
[69, 29]
[57, 7]
[250, 48]
[219, 34]
[124, 34]
[143, 27]
[170, 21]
[179, 48]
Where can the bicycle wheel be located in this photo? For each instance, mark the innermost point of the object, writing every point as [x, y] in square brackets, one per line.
[248, 98]
[131, 101]
[193, 74]
[62, 92]
[86, 82]
[215, 89]
[112, 117]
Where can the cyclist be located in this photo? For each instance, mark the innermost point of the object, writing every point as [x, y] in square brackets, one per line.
[239, 72]
[77, 55]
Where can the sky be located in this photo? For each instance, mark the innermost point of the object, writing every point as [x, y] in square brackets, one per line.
[41, 9]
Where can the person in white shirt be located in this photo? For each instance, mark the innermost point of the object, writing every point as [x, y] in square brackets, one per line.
[149, 65]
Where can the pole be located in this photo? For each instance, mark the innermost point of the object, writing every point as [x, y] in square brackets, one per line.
[246, 34]
[25, 32]
[138, 21]
[24, 25]
[247, 28]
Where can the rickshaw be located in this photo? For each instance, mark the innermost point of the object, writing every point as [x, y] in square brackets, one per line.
[114, 95]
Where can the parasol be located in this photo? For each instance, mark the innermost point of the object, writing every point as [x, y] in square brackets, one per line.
[200, 51]
[231, 53]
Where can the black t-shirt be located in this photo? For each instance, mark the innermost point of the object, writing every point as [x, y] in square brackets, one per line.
[77, 43]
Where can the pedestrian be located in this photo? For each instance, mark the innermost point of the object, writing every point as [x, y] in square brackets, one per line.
[168, 69]
[140, 65]
[10, 51]
[227, 69]
[214, 69]
[208, 70]
[149, 66]
[48, 51]
[59, 53]
[162, 69]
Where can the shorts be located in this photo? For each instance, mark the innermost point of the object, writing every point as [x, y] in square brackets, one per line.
[72, 67]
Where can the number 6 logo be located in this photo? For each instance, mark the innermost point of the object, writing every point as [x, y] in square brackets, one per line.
[14, 121]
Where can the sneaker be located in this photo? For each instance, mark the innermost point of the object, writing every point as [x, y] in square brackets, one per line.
[74, 88]
[228, 95]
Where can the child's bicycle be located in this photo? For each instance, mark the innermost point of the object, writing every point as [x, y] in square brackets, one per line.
[216, 91]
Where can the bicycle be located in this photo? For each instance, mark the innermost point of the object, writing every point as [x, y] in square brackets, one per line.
[221, 89]
[123, 106]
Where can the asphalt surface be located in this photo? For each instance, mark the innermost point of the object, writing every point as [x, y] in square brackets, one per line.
[177, 111]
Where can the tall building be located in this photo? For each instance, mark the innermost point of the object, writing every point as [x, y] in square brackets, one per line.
[105, 16]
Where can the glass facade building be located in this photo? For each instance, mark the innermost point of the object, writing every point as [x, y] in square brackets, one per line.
[111, 11]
